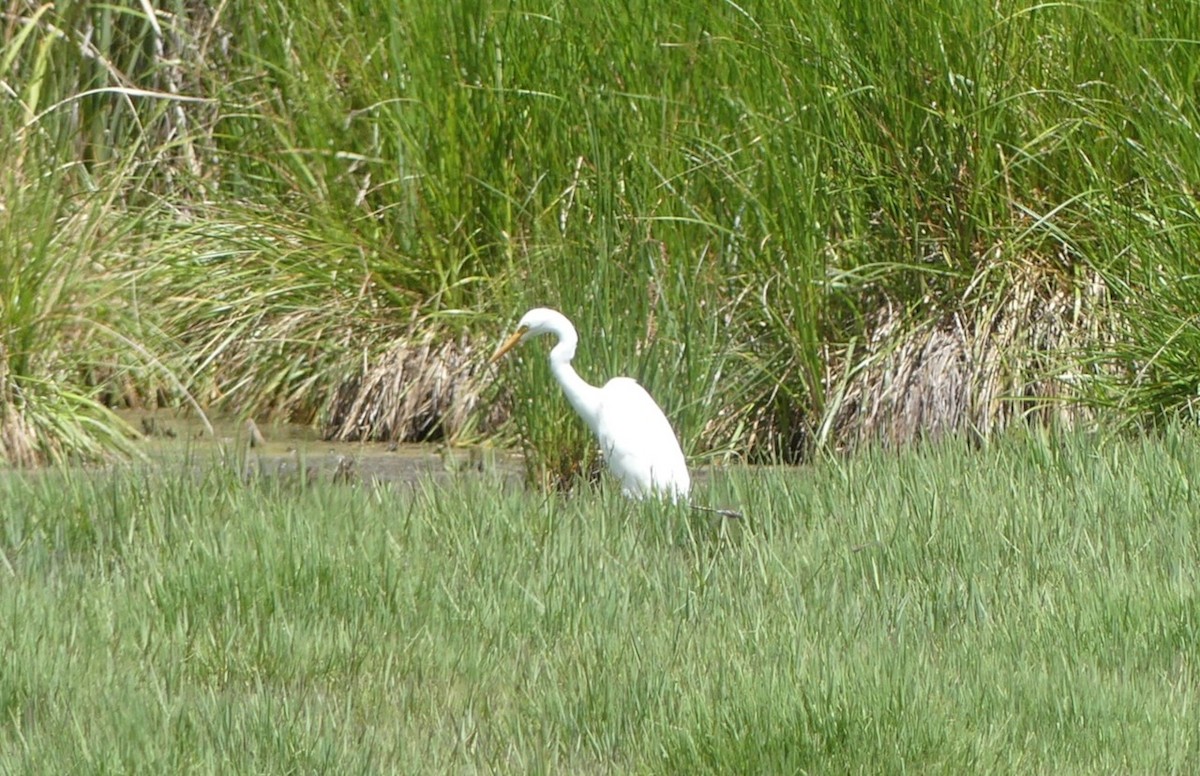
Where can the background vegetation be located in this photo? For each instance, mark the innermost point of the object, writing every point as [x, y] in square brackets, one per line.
[1028, 608]
[799, 224]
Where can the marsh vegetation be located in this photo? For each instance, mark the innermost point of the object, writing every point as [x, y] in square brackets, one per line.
[866, 236]
[803, 225]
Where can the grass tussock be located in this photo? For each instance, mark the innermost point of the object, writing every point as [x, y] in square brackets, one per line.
[65, 320]
[1028, 607]
[987, 362]
[417, 391]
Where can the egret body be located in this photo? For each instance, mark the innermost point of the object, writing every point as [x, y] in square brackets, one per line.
[635, 436]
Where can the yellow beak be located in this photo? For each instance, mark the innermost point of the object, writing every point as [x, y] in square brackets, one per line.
[508, 345]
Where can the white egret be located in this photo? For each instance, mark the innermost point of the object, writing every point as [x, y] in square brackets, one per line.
[635, 436]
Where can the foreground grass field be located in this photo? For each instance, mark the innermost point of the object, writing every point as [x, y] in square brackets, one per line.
[1031, 607]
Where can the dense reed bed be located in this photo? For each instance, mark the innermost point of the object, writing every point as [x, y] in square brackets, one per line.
[804, 224]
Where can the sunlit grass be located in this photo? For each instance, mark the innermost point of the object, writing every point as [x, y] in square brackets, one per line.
[1030, 607]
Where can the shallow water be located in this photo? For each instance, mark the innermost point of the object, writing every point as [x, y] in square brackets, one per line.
[286, 449]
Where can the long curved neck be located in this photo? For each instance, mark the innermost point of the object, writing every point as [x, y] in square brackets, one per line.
[584, 398]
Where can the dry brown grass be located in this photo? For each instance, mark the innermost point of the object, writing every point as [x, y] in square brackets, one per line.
[17, 437]
[420, 389]
[1009, 355]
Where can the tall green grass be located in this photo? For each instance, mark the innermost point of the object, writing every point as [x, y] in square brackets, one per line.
[92, 130]
[1028, 607]
[65, 323]
[760, 212]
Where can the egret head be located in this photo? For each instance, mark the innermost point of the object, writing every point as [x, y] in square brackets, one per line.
[538, 321]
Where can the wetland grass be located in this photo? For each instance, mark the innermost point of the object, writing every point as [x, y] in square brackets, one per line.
[799, 225]
[1027, 607]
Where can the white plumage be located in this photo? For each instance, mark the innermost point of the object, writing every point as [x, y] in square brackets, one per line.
[637, 440]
